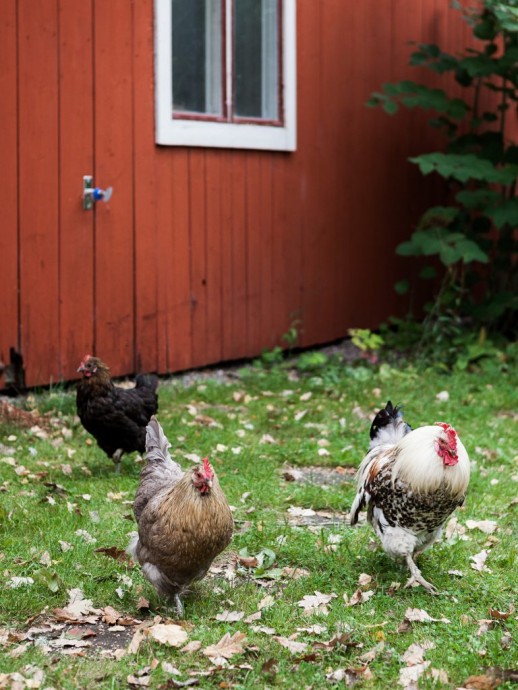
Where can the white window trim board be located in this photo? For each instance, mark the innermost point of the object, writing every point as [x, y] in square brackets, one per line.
[178, 132]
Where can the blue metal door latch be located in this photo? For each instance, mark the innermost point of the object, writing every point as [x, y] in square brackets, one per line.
[93, 194]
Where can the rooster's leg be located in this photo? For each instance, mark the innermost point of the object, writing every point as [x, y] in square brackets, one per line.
[179, 605]
[116, 457]
[415, 576]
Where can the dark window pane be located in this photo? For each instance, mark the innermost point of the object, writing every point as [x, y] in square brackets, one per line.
[197, 82]
[256, 62]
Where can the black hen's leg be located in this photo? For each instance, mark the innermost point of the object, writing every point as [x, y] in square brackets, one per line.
[116, 457]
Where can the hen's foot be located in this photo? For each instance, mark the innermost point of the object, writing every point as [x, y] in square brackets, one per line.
[179, 605]
[116, 457]
[417, 579]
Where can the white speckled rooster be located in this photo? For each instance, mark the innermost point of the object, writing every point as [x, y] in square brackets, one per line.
[410, 481]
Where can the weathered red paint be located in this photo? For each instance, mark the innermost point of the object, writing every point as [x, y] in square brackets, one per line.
[202, 254]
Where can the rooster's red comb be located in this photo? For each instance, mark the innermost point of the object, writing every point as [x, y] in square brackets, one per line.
[451, 434]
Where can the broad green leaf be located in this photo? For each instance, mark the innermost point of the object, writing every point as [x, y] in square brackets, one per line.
[505, 214]
[407, 249]
[449, 255]
[464, 167]
[470, 251]
[477, 199]
[479, 66]
[402, 287]
[427, 273]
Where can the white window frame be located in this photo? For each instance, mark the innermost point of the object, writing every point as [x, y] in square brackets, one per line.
[171, 131]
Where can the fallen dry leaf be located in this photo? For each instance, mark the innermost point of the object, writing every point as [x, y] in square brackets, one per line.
[316, 603]
[350, 676]
[358, 597]
[420, 616]
[491, 679]
[501, 615]
[479, 562]
[16, 582]
[230, 616]
[248, 561]
[409, 675]
[138, 681]
[77, 608]
[191, 646]
[227, 647]
[168, 633]
[414, 655]
[292, 645]
[294, 573]
[142, 603]
[266, 602]
[484, 625]
[136, 640]
[486, 526]
[115, 553]
[364, 580]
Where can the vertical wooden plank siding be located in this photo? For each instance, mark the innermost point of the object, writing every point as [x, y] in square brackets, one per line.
[179, 295]
[76, 148]
[256, 235]
[39, 211]
[200, 295]
[201, 255]
[147, 266]
[214, 234]
[237, 314]
[114, 161]
[9, 180]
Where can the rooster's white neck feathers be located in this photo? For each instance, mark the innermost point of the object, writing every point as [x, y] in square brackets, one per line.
[418, 464]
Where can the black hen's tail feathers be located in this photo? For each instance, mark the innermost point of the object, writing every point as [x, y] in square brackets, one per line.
[147, 381]
[388, 424]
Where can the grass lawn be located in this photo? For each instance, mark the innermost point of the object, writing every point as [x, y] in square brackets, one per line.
[60, 501]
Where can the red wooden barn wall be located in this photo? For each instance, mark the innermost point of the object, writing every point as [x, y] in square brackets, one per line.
[202, 255]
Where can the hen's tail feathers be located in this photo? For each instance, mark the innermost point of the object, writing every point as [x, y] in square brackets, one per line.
[131, 549]
[157, 445]
[388, 426]
[147, 381]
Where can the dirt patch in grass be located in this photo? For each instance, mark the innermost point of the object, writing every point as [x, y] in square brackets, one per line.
[323, 476]
[307, 517]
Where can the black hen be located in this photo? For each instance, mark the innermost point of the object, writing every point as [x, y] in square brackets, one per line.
[116, 417]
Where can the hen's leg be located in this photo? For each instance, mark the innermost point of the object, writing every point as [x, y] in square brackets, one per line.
[179, 605]
[415, 576]
[116, 457]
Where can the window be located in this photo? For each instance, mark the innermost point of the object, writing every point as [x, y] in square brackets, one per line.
[225, 73]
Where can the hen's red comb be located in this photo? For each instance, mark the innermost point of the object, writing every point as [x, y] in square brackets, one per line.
[209, 472]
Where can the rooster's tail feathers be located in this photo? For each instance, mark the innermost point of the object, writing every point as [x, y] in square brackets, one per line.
[388, 426]
[157, 445]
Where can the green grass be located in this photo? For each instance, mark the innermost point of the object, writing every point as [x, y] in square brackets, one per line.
[35, 516]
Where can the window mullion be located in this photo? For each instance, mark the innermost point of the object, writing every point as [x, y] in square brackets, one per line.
[229, 64]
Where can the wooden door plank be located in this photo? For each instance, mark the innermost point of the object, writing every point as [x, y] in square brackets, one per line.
[317, 194]
[214, 181]
[9, 279]
[258, 253]
[234, 259]
[147, 273]
[198, 255]
[179, 327]
[114, 221]
[39, 184]
[76, 107]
